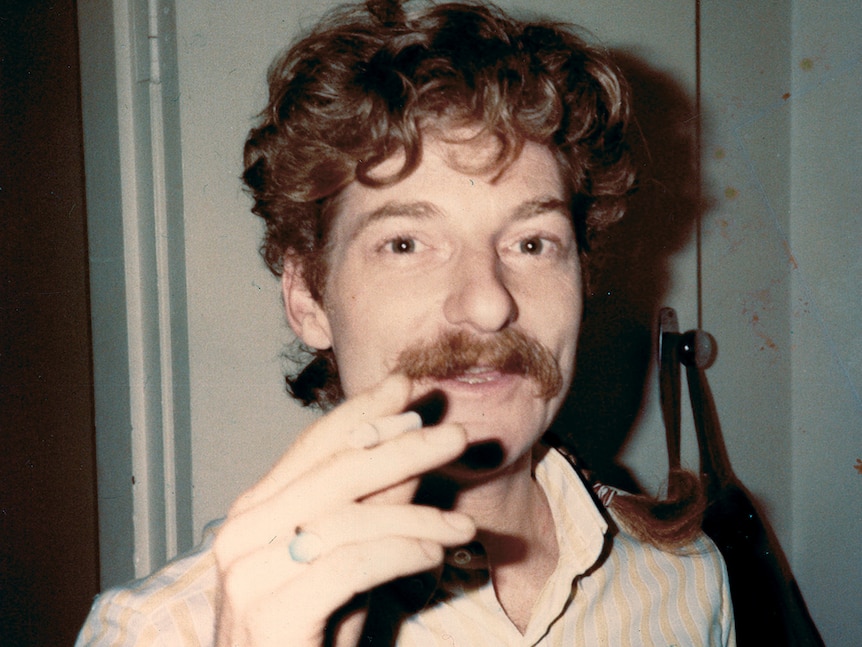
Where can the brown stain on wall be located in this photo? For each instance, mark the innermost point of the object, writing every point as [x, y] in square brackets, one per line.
[790, 257]
[756, 303]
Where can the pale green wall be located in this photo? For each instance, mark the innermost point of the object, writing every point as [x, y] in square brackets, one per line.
[825, 308]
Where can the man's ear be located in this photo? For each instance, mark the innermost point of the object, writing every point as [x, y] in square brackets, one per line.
[304, 313]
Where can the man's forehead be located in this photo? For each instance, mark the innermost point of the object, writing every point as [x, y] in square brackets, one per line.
[468, 149]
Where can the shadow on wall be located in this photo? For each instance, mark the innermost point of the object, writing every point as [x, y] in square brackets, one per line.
[630, 276]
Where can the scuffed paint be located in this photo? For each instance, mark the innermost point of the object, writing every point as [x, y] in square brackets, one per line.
[790, 257]
[760, 331]
[730, 234]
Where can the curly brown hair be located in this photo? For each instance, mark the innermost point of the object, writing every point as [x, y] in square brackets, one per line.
[369, 80]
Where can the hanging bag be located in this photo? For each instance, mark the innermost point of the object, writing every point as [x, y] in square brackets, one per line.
[768, 606]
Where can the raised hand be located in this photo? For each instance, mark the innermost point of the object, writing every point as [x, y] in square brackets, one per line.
[334, 519]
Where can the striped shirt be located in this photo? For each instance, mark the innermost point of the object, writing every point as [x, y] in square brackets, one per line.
[608, 589]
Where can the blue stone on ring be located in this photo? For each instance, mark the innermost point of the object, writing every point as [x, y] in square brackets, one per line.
[305, 547]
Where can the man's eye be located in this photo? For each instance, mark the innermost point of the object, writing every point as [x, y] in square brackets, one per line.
[401, 245]
[534, 246]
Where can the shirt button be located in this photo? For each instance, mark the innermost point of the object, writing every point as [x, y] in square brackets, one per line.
[462, 556]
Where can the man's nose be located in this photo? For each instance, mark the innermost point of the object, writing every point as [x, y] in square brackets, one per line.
[478, 295]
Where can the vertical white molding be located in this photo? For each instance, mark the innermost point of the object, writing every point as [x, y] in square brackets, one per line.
[163, 285]
[140, 273]
[170, 275]
[140, 338]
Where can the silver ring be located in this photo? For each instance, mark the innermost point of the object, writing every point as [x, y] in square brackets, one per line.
[305, 547]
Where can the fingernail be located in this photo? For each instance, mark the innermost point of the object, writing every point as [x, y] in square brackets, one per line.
[394, 425]
[432, 549]
[447, 435]
[369, 434]
[460, 522]
[364, 436]
[410, 420]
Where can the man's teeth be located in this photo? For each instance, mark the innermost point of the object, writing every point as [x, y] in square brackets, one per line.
[476, 376]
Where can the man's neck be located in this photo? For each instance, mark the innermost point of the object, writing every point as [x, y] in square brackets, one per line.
[517, 531]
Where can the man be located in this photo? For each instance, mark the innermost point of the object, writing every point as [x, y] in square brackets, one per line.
[430, 184]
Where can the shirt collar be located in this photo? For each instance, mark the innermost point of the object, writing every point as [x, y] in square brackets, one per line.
[580, 529]
[580, 525]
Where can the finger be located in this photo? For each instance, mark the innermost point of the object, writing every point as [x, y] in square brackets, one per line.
[347, 630]
[247, 588]
[353, 475]
[402, 492]
[369, 433]
[347, 477]
[397, 494]
[366, 522]
[329, 435]
[356, 568]
[298, 609]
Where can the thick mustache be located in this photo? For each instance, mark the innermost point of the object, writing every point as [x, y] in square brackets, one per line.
[510, 351]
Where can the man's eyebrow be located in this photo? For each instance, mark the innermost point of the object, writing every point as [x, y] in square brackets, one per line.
[538, 206]
[395, 209]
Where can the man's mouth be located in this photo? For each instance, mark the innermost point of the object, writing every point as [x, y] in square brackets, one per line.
[464, 358]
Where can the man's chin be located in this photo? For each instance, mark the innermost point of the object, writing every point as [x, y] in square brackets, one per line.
[481, 461]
